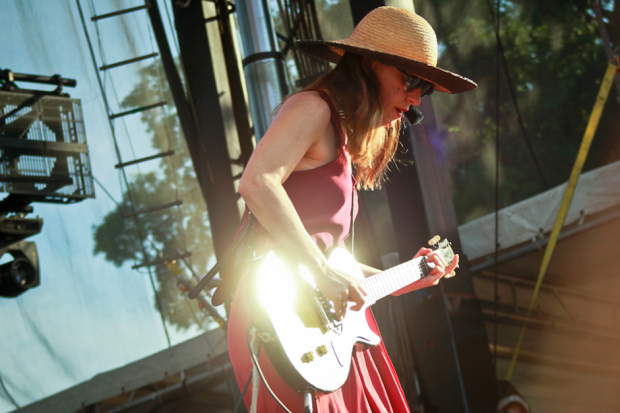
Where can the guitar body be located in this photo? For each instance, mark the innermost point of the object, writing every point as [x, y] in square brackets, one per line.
[306, 345]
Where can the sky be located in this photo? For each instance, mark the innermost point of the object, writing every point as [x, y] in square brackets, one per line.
[87, 316]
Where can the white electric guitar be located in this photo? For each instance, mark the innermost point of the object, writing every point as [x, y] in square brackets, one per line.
[305, 342]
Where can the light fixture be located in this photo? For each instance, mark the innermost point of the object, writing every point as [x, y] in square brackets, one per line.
[22, 273]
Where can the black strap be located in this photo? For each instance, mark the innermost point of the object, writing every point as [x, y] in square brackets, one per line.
[247, 233]
[261, 56]
[247, 238]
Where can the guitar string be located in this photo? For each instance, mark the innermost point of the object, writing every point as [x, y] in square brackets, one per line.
[393, 279]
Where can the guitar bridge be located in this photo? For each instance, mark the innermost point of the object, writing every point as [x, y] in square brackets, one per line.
[318, 307]
[326, 313]
[336, 326]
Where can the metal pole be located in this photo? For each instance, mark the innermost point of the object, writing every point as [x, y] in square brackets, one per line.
[263, 63]
[209, 145]
[445, 323]
[48, 80]
[240, 109]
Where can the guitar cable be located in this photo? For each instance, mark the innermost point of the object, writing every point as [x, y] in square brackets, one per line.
[260, 372]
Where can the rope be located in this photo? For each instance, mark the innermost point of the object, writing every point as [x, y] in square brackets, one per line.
[502, 55]
[174, 35]
[497, 156]
[105, 190]
[122, 172]
[180, 214]
[6, 391]
[603, 93]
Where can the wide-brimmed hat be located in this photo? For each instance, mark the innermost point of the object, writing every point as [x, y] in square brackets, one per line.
[397, 37]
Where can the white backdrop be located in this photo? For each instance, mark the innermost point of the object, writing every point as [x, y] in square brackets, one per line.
[87, 316]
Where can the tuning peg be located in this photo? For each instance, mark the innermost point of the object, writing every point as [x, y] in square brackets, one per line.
[433, 241]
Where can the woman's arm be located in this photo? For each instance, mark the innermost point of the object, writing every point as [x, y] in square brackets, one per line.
[296, 131]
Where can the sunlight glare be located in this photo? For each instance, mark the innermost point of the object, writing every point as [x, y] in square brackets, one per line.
[275, 282]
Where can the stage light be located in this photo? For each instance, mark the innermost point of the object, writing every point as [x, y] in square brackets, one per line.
[22, 273]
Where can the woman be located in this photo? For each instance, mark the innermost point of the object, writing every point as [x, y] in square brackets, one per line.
[299, 185]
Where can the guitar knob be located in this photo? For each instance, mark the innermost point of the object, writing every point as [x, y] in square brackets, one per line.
[433, 241]
[307, 357]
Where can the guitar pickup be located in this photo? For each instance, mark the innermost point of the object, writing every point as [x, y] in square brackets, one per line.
[318, 307]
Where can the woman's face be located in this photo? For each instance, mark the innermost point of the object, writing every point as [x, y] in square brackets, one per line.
[393, 96]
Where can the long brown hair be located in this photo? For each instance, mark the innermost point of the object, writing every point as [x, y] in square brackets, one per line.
[355, 91]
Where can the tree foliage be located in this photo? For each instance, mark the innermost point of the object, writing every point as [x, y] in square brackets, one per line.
[556, 62]
[160, 233]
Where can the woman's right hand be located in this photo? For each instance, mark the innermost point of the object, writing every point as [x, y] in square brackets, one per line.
[340, 288]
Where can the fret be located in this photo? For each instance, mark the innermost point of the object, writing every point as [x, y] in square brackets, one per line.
[424, 268]
[381, 283]
[382, 287]
[385, 283]
[398, 280]
[372, 288]
[393, 279]
[377, 287]
[407, 274]
[368, 284]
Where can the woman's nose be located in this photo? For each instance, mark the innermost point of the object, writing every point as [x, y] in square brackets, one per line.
[414, 96]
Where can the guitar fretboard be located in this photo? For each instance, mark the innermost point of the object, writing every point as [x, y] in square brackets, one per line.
[385, 283]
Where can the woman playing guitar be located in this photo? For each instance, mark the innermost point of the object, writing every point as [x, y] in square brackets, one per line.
[300, 186]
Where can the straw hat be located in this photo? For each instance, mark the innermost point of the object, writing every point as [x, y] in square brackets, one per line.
[397, 37]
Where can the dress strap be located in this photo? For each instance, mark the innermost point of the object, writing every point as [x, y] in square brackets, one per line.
[335, 115]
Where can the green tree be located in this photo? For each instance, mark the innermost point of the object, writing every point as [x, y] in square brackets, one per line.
[162, 232]
[556, 62]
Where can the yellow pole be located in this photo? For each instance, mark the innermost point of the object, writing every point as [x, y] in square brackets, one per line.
[568, 196]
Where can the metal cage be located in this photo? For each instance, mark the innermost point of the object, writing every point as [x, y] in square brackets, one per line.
[43, 149]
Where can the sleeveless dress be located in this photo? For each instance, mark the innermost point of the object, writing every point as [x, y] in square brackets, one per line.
[322, 198]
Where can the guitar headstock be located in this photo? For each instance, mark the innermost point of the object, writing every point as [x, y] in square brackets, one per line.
[444, 246]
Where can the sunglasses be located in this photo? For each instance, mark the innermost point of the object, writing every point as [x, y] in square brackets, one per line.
[413, 82]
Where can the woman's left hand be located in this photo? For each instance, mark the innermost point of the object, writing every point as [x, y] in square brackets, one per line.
[440, 270]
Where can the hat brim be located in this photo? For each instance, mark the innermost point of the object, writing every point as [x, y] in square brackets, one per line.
[444, 80]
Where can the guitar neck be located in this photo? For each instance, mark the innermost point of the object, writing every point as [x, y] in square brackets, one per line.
[386, 282]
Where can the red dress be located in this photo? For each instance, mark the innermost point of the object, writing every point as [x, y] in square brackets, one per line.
[322, 198]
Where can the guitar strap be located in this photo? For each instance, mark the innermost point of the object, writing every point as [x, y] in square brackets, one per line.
[242, 250]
